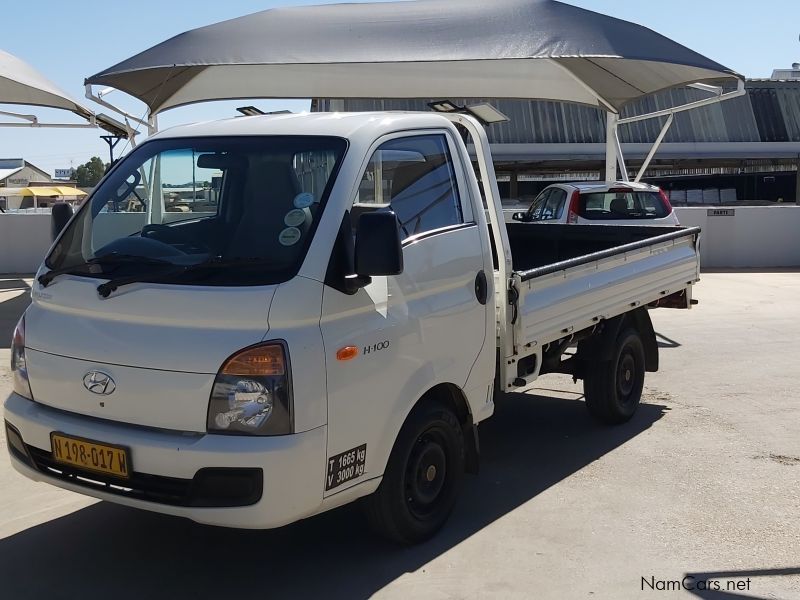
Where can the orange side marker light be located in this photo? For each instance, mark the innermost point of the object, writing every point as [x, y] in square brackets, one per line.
[347, 353]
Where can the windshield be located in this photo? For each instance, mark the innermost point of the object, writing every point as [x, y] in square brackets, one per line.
[622, 205]
[253, 202]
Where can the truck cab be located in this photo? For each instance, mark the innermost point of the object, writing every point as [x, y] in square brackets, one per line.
[261, 344]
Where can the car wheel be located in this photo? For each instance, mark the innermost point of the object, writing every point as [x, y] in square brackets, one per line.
[423, 477]
[613, 389]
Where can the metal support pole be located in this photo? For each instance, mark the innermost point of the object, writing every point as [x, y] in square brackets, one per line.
[740, 91]
[112, 141]
[611, 146]
[797, 184]
[513, 192]
[152, 124]
[620, 157]
[98, 98]
[655, 147]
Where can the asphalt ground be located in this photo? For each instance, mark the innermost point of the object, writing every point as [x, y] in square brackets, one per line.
[702, 486]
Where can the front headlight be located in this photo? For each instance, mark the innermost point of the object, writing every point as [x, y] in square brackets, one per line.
[19, 367]
[252, 393]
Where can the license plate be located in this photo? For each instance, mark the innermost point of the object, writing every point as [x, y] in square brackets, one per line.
[89, 455]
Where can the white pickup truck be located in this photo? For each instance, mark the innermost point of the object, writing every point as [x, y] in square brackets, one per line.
[325, 315]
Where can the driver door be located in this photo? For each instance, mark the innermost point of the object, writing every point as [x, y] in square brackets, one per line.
[414, 330]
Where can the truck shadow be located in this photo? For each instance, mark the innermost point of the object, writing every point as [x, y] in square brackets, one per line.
[665, 342]
[532, 443]
[733, 585]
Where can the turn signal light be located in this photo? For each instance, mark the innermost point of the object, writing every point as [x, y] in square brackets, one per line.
[347, 353]
[264, 361]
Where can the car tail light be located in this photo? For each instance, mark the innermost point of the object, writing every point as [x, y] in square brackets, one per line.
[252, 393]
[665, 200]
[574, 207]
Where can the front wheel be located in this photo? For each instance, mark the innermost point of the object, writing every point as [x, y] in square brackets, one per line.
[613, 389]
[423, 477]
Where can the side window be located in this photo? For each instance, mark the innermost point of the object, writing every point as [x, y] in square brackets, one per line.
[186, 187]
[538, 205]
[555, 205]
[313, 171]
[172, 179]
[414, 176]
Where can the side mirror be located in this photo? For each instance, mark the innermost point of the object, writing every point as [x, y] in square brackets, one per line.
[62, 213]
[520, 216]
[378, 248]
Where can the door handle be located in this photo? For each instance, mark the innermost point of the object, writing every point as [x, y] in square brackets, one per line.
[481, 288]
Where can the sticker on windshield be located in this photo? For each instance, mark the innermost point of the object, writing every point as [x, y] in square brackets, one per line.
[303, 200]
[295, 217]
[289, 236]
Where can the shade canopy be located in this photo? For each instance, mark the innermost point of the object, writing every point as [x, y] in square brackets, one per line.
[21, 84]
[56, 190]
[539, 49]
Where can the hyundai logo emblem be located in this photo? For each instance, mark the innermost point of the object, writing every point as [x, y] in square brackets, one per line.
[98, 382]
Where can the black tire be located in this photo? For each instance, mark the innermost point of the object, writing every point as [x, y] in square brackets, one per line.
[423, 477]
[613, 389]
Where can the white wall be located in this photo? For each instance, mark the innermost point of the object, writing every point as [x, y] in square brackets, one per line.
[24, 240]
[756, 237]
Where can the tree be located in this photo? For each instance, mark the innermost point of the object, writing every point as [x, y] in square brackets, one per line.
[89, 174]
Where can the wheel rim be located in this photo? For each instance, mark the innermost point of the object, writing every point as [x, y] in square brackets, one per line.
[627, 377]
[426, 474]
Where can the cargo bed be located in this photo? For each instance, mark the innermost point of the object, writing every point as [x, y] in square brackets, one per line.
[568, 279]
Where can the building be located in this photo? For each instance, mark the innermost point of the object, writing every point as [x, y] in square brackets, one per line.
[744, 150]
[18, 172]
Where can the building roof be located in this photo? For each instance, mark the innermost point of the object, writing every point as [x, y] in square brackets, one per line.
[6, 173]
[9, 166]
[769, 112]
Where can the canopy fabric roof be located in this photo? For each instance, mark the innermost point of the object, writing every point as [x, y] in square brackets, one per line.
[540, 49]
[21, 84]
[56, 190]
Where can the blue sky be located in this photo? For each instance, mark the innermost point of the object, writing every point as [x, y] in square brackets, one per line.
[68, 42]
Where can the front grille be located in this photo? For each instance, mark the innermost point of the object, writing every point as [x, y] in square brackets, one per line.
[208, 488]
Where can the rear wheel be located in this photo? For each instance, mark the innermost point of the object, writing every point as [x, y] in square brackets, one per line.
[422, 479]
[613, 389]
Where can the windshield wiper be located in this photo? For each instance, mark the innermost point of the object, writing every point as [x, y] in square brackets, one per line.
[107, 259]
[106, 289]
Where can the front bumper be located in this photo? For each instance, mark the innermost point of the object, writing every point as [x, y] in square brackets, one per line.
[291, 468]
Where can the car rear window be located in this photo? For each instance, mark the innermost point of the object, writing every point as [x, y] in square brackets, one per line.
[608, 206]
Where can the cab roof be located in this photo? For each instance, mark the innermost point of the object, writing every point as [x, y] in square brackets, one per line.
[345, 125]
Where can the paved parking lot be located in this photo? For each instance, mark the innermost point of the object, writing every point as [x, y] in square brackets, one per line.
[704, 483]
